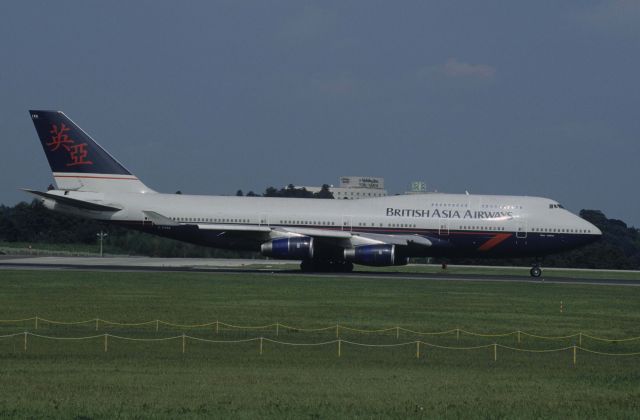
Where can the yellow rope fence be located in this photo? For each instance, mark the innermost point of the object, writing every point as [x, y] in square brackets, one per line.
[339, 342]
[218, 325]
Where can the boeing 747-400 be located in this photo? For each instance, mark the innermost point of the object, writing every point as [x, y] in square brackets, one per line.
[326, 235]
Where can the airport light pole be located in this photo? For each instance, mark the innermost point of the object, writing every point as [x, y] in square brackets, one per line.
[101, 237]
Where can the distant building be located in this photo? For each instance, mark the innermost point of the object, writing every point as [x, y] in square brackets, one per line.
[417, 187]
[370, 182]
[355, 187]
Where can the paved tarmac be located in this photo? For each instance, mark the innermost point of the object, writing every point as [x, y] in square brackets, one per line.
[272, 267]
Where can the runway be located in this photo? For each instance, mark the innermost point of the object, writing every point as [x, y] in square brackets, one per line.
[272, 268]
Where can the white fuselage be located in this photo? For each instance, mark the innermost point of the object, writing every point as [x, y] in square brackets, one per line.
[443, 215]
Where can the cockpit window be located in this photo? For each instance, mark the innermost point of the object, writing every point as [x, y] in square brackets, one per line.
[556, 206]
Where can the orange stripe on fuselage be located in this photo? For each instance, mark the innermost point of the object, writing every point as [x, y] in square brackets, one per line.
[493, 242]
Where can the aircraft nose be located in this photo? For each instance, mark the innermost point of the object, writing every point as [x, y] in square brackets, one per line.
[591, 228]
[594, 232]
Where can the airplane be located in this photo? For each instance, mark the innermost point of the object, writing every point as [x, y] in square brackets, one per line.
[324, 234]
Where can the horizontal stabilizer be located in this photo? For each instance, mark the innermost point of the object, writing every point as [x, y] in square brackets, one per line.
[73, 202]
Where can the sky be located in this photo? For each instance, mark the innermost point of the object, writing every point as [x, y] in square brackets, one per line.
[523, 97]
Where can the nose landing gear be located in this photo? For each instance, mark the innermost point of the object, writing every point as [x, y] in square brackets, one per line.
[535, 271]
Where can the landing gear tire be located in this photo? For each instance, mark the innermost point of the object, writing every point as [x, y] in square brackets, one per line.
[535, 271]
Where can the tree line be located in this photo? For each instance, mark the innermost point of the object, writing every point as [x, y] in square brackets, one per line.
[291, 191]
[32, 223]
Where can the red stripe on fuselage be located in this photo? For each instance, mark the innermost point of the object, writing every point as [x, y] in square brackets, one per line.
[493, 242]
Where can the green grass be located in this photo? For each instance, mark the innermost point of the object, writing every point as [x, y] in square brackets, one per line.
[22, 248]
[155, 379]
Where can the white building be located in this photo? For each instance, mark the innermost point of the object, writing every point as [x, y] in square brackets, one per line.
[417, 187]
[355, 187]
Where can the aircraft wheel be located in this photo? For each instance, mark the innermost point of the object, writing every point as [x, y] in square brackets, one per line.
[535, 271]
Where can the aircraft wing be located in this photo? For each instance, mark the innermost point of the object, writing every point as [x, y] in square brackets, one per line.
[343, 239]
[338, 238]
[158, 219]
[360, 238]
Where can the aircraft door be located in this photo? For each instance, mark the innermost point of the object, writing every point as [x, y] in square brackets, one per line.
[346, 223]
[264, 220]
[521, 229]
[443, 230]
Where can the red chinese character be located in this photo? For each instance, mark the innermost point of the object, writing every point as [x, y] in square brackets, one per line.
[59, 138]
[78, 154]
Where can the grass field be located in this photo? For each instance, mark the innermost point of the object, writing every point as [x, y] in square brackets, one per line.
[77, 379]
[22, 248]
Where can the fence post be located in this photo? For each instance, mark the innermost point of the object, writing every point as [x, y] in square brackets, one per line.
[260, 346]
[417, 349]
[339, 348]
[458, 334]
[397, 332]
[518, 336]
[184, 342]
[495, 352]
[574, 354]
[36, 322]
[277, 329]
[25, 341]
[106, 344]
[217, 326]
[97, 320]
[157, 325]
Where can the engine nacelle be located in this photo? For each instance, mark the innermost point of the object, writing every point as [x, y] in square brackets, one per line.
[375, 255]
[294, 248]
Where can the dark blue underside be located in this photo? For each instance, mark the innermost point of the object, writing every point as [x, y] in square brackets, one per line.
[453, 244]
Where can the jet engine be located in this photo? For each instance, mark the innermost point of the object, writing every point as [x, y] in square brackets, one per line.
[375, 255]
[294, 248]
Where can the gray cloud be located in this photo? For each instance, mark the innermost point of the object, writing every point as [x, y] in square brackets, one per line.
[618, 16]
[343, 85]
[455, 73]
[455, 68]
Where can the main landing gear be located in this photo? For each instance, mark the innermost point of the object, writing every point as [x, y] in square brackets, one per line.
[327, 266]
[535, 271]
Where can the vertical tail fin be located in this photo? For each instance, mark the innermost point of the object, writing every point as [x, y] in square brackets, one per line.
[77, 161]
